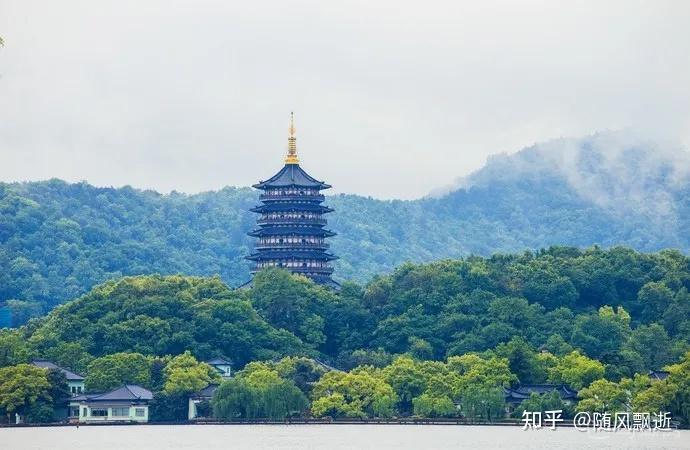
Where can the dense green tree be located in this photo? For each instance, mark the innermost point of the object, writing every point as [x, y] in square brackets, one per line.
[13, 348]
[652, 344]
[654, 298]
[23, 387]
[427, 405]
[258, 393]
[480, 402]
[185, 375]
[671, 394]
[522, 361]
[292, 303]
[169, 407]
[157, 315]
[353, 394]
[406, 377]
[70, 355]
[602, 335]
[111, 371]
[602, 396]
[304, 372]
[576, 370]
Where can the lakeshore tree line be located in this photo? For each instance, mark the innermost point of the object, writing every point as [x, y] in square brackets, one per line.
[430, 340]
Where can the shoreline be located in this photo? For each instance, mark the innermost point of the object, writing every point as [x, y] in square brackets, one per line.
[410, 422]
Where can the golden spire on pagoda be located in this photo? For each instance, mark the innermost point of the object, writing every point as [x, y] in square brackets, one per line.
[291, 157]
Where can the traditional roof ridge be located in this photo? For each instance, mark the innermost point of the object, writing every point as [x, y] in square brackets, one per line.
[47, 364]
[292, 175]
[291, 206]
[218, 360]
[288, 230]
[135, 392]
[287, 254]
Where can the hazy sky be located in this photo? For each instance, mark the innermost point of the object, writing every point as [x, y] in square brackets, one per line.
[392, 98]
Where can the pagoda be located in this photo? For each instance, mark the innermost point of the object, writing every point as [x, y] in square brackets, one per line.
[291, 229]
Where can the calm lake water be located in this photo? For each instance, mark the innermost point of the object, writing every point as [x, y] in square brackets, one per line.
[331, 437]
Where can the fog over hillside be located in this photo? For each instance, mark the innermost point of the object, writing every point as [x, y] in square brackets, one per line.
[604, 168]
[619, 171]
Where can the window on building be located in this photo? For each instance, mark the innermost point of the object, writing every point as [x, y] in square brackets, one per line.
[121, 412]
[99, 412]
[140, 412]
[74, 411]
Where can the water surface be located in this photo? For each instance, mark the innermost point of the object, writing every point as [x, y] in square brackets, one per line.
[331, 437]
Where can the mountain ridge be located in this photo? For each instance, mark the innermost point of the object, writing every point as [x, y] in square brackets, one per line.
[59, 239]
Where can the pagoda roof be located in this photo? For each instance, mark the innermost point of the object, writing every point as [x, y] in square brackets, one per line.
[292, 175]
[291, 206]
[294, 253]
[300, 231]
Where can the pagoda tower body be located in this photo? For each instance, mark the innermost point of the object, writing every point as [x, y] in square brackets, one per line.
[291, 229]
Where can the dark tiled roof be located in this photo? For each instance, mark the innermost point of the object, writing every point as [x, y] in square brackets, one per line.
[523, 391]
[291, 253]
[45, 364]
[218, 362]
[206, 392]
[298, 231]
[292, 175]
[127, 392]
[292, 207]
[658, 374]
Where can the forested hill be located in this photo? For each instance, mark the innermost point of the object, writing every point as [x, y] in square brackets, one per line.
[57, 240]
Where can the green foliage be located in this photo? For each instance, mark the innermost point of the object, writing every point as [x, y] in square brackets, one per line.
[156, 315]
[258, 392]
[476, 314]
[522, 360]
[671, 394]
[169, 407]
[304, 372]
[487, 403]
[22, 311]
[602, 396]
[112, 371]
[58, 240]
[576, 370]
[23, 387]
[69, 355]
[185, 375]
[13, 348]
[426, 405]
[353, 394]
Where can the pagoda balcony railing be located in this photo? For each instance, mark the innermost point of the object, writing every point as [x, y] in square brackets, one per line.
[308, 197]
[291, 220]
[319, 270]
[294, 245]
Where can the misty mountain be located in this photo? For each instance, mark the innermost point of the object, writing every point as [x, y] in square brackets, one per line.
[59, 239]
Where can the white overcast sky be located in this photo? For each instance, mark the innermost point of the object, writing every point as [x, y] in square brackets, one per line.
[392, 98]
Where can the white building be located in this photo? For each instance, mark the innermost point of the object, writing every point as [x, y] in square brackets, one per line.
[223, 366]
[129, 403]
